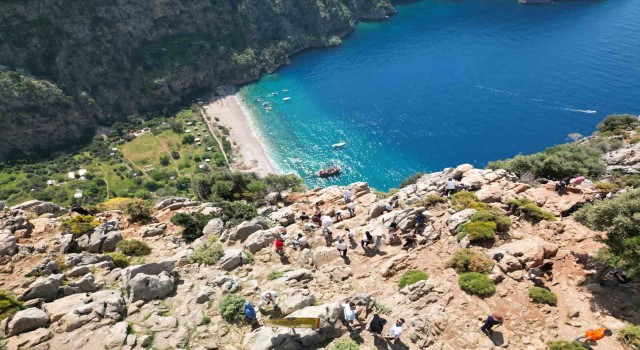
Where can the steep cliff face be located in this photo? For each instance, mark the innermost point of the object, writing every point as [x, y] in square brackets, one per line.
[136, 56]
[36, 116]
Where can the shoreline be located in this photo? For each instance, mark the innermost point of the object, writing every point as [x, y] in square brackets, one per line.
[250, 152]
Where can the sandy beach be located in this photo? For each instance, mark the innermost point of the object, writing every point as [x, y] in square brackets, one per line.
[250, 153]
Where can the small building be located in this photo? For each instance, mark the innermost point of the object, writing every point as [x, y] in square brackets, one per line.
[207, 160]
[201, 166]
[50, 182]
[71, 175]
[197, 139]
[188, 130]
[82, 172]
[77, 195]
[189, 123]
[208, 148]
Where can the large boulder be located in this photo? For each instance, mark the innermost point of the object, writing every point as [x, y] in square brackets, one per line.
[473, 178]
[325, 255]
[283, 217]
[377, 209]
[261, 239]
[8, 245]
[329, 315]
[296, 299]
[426, 328]
[233, 258]
[528, 252]
[171, 201]
[459, 171]
[45, 288]
[213, 228]
[83, 259]
[105, 306]
[156, 268]
[60, 307]
[27, 320]
[459, 218]
[85, 284]
[269, 338]
[30, 340]
[103, 238]
[153, 230]
[49, 208]
[245, 229]
[148, 287]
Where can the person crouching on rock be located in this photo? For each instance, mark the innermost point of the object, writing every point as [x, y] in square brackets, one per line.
[396, 330]
[351, 313]
[495, 319]
[300, 242]
[376, 326]
[268, 298]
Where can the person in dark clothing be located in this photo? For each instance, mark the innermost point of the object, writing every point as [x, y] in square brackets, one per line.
[366, 240]
[420, 219]
[304, 217]
[409, 240]
[495, 319]
[376, 326]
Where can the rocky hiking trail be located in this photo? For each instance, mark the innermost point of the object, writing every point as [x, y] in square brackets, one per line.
[76, 298]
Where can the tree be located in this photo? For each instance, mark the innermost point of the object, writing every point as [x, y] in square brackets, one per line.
[620, 218]
[279, 183]
[164, 160]
[188, 139]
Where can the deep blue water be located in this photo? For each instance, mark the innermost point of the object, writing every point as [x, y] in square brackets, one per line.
[451, 82]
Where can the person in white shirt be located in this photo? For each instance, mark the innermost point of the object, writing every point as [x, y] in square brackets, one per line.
[396, 330]
[352, 209]
[342, 247]
[347, 195]
[339, 216]
[300, 242]
[326, 222]
[450, 187]
[269, 298]
[351, 312]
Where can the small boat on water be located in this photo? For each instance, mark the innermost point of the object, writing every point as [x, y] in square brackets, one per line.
[339, 144]
[286, 99]
[285, 90]
[329, 171]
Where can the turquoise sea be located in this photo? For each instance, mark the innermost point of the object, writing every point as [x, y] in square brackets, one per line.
[450, 82]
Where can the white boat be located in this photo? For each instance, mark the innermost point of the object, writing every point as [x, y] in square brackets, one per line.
[286, 99]
[339, 144]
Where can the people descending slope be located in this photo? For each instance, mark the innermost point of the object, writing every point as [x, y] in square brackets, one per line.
[300, 242]
[352, 209]
[495, 319]
[279, 246]
[592, 336]
[366, 239]
[376, 326]
[269, 298]
[347, 195]
[342, 247]
[396, 330]
[449, 187]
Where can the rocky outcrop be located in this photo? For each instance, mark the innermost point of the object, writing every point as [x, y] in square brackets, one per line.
[45, 288]
[8, 245]
[149, 287]
[153, 230]
[626, 159]
[245, 229]
[27, 320]
[261, 239]
[233, 258]
[103, 238]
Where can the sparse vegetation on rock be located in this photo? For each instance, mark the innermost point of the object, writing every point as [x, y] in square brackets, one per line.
[133, 247]
[345, 344]
[412, 276]
[8, 305]
[467, 260]
[529, 210]
[208, 253]
[542, 296]
[564, 345]
[230, 307]
[630, 336]
[476, 283]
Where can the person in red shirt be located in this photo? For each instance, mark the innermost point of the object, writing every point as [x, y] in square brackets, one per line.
[280, 246]
[593, 335]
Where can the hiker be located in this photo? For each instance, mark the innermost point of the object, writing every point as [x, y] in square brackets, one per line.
[394, 201]
[304, 217]
[420, 218]
[366, 239]
[562, 184]
[342, 247]
[352, 209]
[300, 242]
[393, 232]
[268, 298]
[545, 271]
[351, 312]
[350, 235]
[495, 319]
[316, 218]
[620, 276]
[283, 233]
[409, 239]
[376, 326]
[378, 244]
[388, 207]
[395, 331]
[578, 180]
[450, 187]
[328, 237]
[347, 195]
[593, 335]
[339, 216]
[279, 246]
[250, 312]
[326, 222]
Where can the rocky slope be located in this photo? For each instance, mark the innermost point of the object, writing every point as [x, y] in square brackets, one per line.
[81, 300]
[143, 56]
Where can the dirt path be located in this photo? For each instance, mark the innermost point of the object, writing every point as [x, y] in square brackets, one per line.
[210, 127]
[164, 147]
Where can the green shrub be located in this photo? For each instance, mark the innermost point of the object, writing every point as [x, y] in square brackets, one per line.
[412, 179]
[479, 230]
[345, 344]
[279, 183]
[138, 210]
[381, 308]
[617, 122]
[466, 260]
[606, 187]
[80, 224]
[208, 253]
[476, 283]
[8, 305]
[206, 320]
[231, 307]
[529, 210]
[120, 260]
[630, 336]
[250, 257]
[188, 139]
[542, 296]
[133, 247]
[432, 200]
[564, 345]
[274, 275]
[503, 223]
[412, 276]
[467, 200]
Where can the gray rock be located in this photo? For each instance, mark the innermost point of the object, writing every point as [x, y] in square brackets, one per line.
[45, 288]
[213, 228]
[298, 275]
[3, 205]
[27, 320]
[8, 245]
[130, 272]
[49, 208]
[104, 306]
[30, 340]
[261, 239]
[102, 239]
[295, 300]
[459, 218]
[329, 315]
[86, 284]
[27, 205]
[272, 198]
[82, 259]
[149, 287]
[233, 258]
[78, 271]
[377, 209]
[169, 201]
[245, 229]
[203, 296]
[153, 229]
[58, 308]
[283, 217]
[64, 243]
[45, 268]
[117, 335]
[460, 170]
